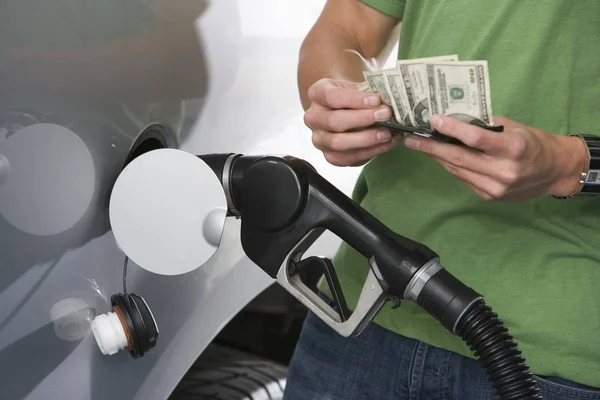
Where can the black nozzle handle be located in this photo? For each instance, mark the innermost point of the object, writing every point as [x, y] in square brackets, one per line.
[283, 199]
[394, 258]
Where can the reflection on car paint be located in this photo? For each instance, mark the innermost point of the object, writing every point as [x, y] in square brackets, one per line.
[79, 81]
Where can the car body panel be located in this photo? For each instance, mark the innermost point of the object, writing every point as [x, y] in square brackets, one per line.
[221, 76]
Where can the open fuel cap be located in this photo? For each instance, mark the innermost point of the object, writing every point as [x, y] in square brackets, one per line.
[167, 211]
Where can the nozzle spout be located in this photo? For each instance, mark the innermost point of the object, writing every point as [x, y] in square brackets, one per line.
[216, 162]
[230, 168]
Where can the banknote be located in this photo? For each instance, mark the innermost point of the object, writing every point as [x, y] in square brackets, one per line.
[445, 58]
[461, 90]
[414, 76]
[377, 83]
[395, 88]
[365, 87]
[419, 88]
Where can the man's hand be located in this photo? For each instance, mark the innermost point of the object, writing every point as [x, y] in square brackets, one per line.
[341, 118]
[515, 165]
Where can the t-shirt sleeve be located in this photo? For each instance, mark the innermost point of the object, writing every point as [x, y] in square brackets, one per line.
[394, 8]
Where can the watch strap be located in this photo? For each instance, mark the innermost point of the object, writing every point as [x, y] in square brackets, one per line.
[583, 174]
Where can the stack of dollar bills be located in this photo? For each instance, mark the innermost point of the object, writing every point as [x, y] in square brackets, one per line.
[419, 88]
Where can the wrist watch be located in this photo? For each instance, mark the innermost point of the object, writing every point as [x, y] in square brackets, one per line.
[589, 179]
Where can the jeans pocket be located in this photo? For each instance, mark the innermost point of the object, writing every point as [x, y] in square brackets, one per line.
[567, 389]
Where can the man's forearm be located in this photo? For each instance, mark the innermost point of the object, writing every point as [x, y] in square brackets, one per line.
[344, 25]
[323, 55]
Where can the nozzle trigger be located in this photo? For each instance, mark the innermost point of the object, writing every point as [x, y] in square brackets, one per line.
[370, 301]
[324, 265]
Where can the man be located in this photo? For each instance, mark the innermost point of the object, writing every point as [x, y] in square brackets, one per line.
[487, 210]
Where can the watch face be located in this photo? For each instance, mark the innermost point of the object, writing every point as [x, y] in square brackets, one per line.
[592, 180]
[593, 177]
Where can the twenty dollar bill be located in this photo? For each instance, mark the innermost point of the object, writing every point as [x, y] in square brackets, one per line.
[395, 87]
[419, 88]
[461, 90]
[414, 75]
[377, 84]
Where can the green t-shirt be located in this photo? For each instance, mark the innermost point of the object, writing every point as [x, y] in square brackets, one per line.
[536, 263]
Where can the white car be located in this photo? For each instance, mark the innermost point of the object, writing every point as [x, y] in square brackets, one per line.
[87, 86]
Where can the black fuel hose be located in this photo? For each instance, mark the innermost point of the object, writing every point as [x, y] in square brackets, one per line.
[463, 312]
[491, 342]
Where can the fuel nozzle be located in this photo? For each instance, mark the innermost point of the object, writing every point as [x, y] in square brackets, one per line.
[285, 205]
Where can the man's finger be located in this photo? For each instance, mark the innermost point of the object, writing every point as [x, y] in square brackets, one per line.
[333, 96]
[359, 157]
[345, 120]
[485, 186]
[351, 141]
[472, 136]
[475, 186]
[457, 156]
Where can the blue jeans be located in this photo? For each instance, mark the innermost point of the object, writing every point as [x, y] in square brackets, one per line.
[380, 364]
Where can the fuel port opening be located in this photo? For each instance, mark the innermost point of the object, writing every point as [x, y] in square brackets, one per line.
[130, 325]
[154, 136]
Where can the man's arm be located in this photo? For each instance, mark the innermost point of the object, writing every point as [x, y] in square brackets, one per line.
[340, 115]
[344, 25]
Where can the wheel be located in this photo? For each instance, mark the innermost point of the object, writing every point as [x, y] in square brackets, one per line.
[223, 373]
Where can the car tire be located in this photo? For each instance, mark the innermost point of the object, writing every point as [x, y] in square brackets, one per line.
[224, 373]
